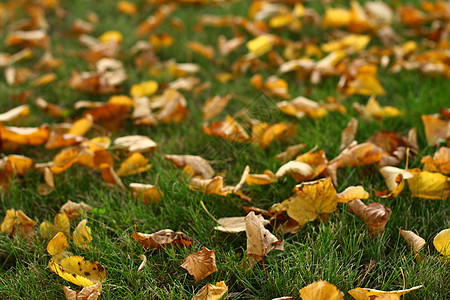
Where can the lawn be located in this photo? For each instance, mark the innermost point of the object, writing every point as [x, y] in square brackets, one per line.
[337, 247]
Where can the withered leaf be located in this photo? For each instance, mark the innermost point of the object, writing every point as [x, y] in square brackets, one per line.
[375, 215]
[200, 264]
[162, 239]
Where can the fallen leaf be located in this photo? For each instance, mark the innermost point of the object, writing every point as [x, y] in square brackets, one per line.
[436, 130]
[87, 293]
[213, 106]
[428, 185]
[60, 224]
[82, 235]
[259, 240]
[25, 135]
[442, 242]
[17, 223]
[135, 143]
[162, 239]
[73, 209]
[134, 164]
[15, 113]
[348, 134]
[211, 292]
[439, 163]
[373, 292]
[413, 240]
[78, 270]
[290, 153]
[300, 171]
[321, 290]
[351, 193]
[375, 215]
[228, 129]
[147, 193]
[200, 166]
[236, 224]
[200, 264]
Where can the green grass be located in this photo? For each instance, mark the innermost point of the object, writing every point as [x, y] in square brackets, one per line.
[336, 251]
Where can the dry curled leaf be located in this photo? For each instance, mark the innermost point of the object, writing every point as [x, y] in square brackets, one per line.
[436, 130]
[82, 234]
[87, 293]
[162, 239]
[413, 240]
[375, 215]
[200, 166]
[235, 224]
[17, 223]
[439, 163]
[135, 143]
[200, 264]
[73, 209]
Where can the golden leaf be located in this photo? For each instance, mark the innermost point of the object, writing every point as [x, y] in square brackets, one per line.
[442, 242]
[134, 164]
[351, 193]
[147, 193]
[310, 200]
[210, 186]
[60, 224]
[336, 17]
[57, 245]
[228, 129]
[321, 290]
[200, 264]
[260, 45]
[290, 153]
[429, 185]
[127, 8]
[65, 159]
[374, 110]
[81, 126]
[375, 215]
[211, 292]
[82, 234]
[205, 51]
[146, 88]
[373, 292]
[78, 270]
[25, 135]
[301, 106]
[439, 163]
[261, 179]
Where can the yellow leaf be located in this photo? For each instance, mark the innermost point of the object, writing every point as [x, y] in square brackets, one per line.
[373, 292]
[147, 193]
[78, 270]
[351, 193]
[336, 17]
[321, 290]
[57, 244]
[127, 8]
[311, 199]
[25, 135]
[211, 292]
[442, 242]
[111, 36]
[82, 234]
[134, 164]
[81, 126]
[374, 110]
[60, 224]
[260, 45]
[142, 89]
[350, 44]
[261, 179]
[429, 185]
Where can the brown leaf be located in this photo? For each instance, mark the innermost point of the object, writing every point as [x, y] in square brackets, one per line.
[87, 293]
[228, 129]
[436, 130]
[375, 215]
[135, 143]
[73, 209]
[439, 163]
[413, 240]
[147, 193]
[348, 134]
[290, 153]
[259, 240]
[162, 239]
[213, 106]
[200, 264]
